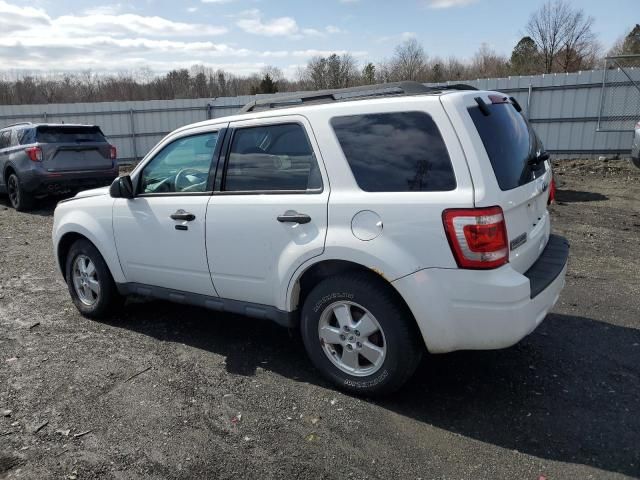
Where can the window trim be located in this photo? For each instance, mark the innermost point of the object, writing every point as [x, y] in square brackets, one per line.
[212, 169]
[221, 174]
[376, 112]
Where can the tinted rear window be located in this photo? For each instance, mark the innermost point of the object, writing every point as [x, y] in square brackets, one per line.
[395, 152]
[69, 135]
[510, 142]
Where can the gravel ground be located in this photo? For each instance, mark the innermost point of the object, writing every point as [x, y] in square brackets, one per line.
[168, 391]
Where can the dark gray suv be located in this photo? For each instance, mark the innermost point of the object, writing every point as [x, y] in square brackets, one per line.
[42, 159]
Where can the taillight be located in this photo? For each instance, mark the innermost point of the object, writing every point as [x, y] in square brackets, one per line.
[34, 153]
[552, 192]
[478, 236]
[113, 153]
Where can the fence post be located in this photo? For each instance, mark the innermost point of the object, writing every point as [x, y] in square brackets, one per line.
[132, 124]
[44, 116]
[529, 102]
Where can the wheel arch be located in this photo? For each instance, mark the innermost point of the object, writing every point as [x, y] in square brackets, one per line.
[307, 279]
[63, 247]
[8, 170]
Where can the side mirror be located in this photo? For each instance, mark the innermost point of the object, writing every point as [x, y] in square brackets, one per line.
[122, 187]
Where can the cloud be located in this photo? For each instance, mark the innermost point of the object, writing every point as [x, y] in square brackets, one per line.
[401, 37]
[441, 4]
[112, 39]
[251, 21]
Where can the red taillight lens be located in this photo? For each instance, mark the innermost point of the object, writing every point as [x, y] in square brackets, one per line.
[478, 236]
[34, 153]
[113, 153]
[552, 192]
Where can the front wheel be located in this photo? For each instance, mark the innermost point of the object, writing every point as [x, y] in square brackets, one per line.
[90, 283]
[359, 335]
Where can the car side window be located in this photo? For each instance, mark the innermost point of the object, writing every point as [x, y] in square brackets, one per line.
[395, 152]
[272, 158]
[5, 138]
[182, 166]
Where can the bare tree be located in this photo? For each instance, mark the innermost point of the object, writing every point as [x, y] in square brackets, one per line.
[334, 71]
[563, 35]
[409, 61]
[487, 63]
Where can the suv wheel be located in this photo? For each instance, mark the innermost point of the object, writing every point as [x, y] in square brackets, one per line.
[359, 335]
[635, 162]
[90, 283]
[20, 200]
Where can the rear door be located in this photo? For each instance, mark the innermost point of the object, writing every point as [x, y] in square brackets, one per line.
[268, 214]
[74, 148]
[501, 147]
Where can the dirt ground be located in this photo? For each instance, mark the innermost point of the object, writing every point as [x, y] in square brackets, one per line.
[168, 391]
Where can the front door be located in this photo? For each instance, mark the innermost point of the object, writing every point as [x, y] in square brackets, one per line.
[160, 234]
[270, 213]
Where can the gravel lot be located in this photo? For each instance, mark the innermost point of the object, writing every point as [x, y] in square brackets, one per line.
[222, 396]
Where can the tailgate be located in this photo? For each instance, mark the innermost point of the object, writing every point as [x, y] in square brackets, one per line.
[502, 153]
[76, 157]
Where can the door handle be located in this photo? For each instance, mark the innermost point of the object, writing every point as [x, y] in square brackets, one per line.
[182, 215]
[293, 217]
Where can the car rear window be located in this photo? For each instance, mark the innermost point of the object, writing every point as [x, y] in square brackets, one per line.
[395, 152]
[69, 134]
[510, 142]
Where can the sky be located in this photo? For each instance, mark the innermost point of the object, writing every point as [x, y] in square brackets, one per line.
[242, 36]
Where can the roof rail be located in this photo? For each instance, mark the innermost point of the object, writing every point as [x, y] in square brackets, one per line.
[346, 94]
[16, 124]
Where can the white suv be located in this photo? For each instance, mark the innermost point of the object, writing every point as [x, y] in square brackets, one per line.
[378, 221]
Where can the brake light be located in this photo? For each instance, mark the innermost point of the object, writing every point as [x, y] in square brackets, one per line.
[477, 236]
[497, 99]
[552, 192]
[113, 152]
[34, 153]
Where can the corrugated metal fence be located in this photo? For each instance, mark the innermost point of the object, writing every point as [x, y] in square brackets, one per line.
[564, 109]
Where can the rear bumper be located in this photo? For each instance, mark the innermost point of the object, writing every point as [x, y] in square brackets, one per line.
[43, 182]
[484, 310]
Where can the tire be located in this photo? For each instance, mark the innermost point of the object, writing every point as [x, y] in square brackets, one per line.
[91, 302]
[635, 162]
[365, 297]
[19, 198]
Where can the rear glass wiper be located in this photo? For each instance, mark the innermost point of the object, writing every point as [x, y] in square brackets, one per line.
[538, 158]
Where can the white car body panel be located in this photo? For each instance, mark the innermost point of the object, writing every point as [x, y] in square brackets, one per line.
[91, 217]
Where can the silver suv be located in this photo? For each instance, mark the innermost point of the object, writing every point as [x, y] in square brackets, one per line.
[41, 159]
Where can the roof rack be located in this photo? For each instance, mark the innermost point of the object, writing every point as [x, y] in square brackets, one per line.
[353, 93]
[16, 124]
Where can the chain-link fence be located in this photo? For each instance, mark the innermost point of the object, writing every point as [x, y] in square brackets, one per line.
[620, 95]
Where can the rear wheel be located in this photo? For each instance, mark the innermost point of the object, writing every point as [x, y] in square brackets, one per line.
[635, 162]
[90, 283]
[359, 335]
[20, 200]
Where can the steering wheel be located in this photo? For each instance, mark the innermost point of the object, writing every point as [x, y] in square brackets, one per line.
[181, 177]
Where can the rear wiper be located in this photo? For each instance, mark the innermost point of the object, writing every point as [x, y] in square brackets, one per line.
[539, 158]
